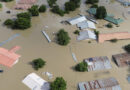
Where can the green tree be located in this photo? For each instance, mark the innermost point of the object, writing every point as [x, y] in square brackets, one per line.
[26, 15]
[9, 22]
[94, 6]
[7, 0]
[127, 48]
[58, 84]
[63, 37]
[38, 63]
[92, 1]
[57, 10]
[69, 6]
[51, 2]
[22, 23]
[82, 67]
[42, 8]
[0, 5]
[109, 25]
[101, 12]
[34, 10]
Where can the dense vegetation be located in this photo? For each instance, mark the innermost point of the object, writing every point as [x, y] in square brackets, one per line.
[0, 5]
[7, 0]
[92, 1]
[38, 63]
[9, 22]
[34, 10]
[58, 84]
[42, 8]
[127, 48]
[57, 10]
[51, 2]
[63, 37]
[82, 67]
[76, 32]
[109, 25]
[26, 15]
[94, 6]
[101, 12]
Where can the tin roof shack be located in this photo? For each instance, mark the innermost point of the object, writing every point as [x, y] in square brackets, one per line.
[102, 84]
[86, 35]
[98, 63]
[122, 59]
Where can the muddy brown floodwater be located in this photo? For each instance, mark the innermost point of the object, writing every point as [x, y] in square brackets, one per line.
[58, 58]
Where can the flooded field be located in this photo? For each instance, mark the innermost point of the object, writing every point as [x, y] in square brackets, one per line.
[58, 58]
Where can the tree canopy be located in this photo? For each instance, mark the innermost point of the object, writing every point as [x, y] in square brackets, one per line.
[92, 1]
[9, 22]
[82, 67]
[56, 9]
[34, 10]
[101, 12]
[38, 63]
[51, 2]
[7, 0]
[63, 37]
[127, 48]
[42, 8]
[58, 84]
[26, 15]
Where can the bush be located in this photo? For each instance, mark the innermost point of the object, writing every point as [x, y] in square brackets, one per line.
[57, 10]
[114, 40]
[127, 48]
[7, 0]
[63, 37]
[51, 2]
[22, 23]
[34, 10]
[77, 32]
[38, 63]
[0, 5]
[97, 33]
[92, 1]
[94, 6]
[9, 22]
[101, 12]
[109, 25]
[82, 67]
[26, 15]
[58, 84]
[42, 8]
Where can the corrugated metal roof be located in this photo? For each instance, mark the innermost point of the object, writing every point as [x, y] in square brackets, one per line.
[86, 24]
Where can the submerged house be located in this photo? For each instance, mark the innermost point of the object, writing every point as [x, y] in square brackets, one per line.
[86, 35]
[102, 84]
[110, 36]
[9, 57]
[122, 59]
[34, 82]
[98, 63]
[124, 2]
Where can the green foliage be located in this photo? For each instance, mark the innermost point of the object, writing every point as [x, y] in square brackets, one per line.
[38, 63]
[34, 10]
[101, 12]
[58, 84]
[97, 33]
[82, 67]
[63, 37]
[114, 40]
[94, 6]
[57, 10]
[92, 1]
[127, 48]
[9, 22]
[7, 0]
[109, 25]
[42, 8]
[22, 23]
[51, 2]
[76, 32]
[0, 5]
[89, 41]
[26, 15]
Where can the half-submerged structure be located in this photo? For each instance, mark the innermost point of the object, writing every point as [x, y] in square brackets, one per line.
[122, 59]
[9, 57]
[98, 63]
[124, 2]
[102, 84]
[34, 82]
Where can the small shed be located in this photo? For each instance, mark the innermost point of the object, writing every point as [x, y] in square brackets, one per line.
[34, 82]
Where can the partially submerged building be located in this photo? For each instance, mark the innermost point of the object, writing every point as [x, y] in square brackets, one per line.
[9, 57]
[34, 82]
[98, 63]
[122, 59]
[124, 2]
[86, 35]
[102, 84]
[110, 36]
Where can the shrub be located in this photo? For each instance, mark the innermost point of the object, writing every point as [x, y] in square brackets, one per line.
[94, 6]
[63, 37]
[9, 22]
[0, 5]
[22, 23]
[34, 10]
[57, 10]
[38, 63]
[114, 40]
[26, 15]
[82, 67]
[97, 33]
[58, 84]
[127, 48]
[7, 0]
[76, 32]
[42, 8]
[51, 2]
[101, 12]
[92, 1]
[109, 25]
